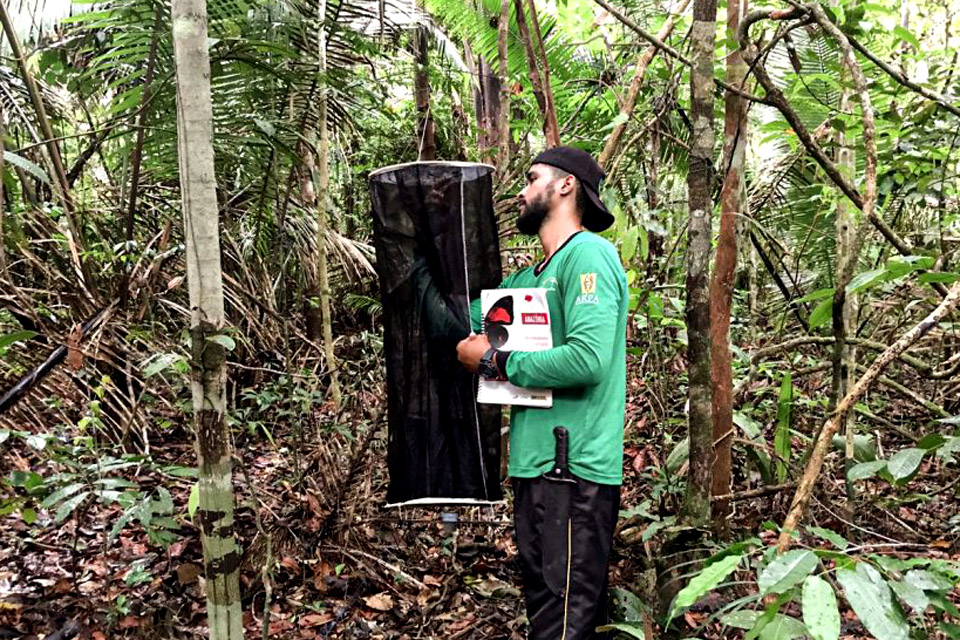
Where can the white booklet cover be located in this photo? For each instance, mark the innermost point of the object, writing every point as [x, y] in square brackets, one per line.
[515, 320]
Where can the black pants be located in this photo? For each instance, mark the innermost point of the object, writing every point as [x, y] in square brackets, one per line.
[564, 564]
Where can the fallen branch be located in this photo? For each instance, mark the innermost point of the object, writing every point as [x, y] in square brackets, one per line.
[756, 493]
[812, 471]
[930, 406]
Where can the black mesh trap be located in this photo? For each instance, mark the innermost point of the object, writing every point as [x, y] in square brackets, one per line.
[437, 247]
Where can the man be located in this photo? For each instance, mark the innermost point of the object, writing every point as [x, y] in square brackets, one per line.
[564, 529]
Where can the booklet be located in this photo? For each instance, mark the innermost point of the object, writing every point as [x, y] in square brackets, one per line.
[515, 320]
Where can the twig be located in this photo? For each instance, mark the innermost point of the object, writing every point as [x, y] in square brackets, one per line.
[756, 493]
[392, 567]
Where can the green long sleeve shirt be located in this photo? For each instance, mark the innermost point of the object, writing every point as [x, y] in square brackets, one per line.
[587, 294]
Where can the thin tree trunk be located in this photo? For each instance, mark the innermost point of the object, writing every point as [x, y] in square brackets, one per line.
[3, 204]
[630, 102]
[696, 506]
[487, 101]
[732, 201]
[503, 57]
[844, 316]
[426, 130]
[308, 196]
[208, 371]
[814, 465]
[137, 157]
[323, 183]
[551, 130]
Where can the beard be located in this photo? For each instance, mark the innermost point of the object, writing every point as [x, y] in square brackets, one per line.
[534, 214]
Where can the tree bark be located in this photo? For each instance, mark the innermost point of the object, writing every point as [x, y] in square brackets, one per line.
[700, 176]
[426, 130]
[630, 102]
[488, 109]
[551, 130]
[503, 58]
[208, 371]
[844, 315]
[822, 445]
[313, 318]
[323, 184]
[732, 202]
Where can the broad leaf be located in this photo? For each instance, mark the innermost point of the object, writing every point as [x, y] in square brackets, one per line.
[16, 336]
[25, 165]
[832, 537]
[905, 463]
[630, 629]
[866, 280]
[820, 612]
[911, 595]
[786, 571]
[783, 628]
[822, 313]
[865, 470]
[873, 602]
[927, 580]
[781, 438]
[67, 507]
[703, 582]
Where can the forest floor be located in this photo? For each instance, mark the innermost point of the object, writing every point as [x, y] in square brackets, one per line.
[349, 568]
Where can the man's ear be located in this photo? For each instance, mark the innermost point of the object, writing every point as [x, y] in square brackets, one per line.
[568, 185]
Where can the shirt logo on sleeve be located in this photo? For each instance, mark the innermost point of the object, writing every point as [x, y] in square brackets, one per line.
[588, 289]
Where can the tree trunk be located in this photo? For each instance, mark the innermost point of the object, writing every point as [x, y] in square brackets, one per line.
[630, 102]
[696, 507]
[488, 109]
[426, 132]
[3, 204]
[732, 200]
[503, 31]
[551, 130]
[845, 315]
[312, 316]
[208, 370]
[323, 184]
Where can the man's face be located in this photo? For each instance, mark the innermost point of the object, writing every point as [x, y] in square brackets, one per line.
[536, 199]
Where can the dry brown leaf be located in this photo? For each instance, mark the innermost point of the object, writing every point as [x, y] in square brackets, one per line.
[430, 580]
[379, 602]
[315, 620]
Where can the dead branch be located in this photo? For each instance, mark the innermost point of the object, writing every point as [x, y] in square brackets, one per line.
[812, 471]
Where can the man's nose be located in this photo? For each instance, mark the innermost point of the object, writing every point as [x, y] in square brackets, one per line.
[522, 193]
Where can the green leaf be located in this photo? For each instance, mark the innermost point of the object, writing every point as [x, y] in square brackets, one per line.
[820, 612]
[743, 619]
[786, 571]
[160, 363]
[194, 500]
[781, 438]
[678, 456]
[911, 595]
[873, 602]
[67, 507]
[29, 516]
[627, 628]
[905, 463]
[822, 313]
[865, 470]
[864, 448]
[927, 580]
[60, 494]
[25, 165]
[38, 442]
[628, 245]
[225, 341]
[783, 628]
[866, 280]
[16, 336]
[906, 36]
[832, 537]
[946, 278]
[703, 582]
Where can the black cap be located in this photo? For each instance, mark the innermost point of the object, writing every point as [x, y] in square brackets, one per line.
[581, 164]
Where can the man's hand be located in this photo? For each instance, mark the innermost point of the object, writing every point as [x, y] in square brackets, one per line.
[471, 349]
